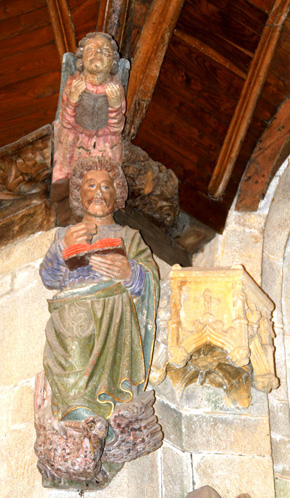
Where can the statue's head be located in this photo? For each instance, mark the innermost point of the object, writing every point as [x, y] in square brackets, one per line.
[110, 175]
[97, 52]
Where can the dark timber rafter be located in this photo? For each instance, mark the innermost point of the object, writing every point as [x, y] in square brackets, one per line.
[248, 100]
[151, 48]
[62, 26]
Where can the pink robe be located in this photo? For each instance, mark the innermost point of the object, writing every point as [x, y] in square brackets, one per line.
[73, 142]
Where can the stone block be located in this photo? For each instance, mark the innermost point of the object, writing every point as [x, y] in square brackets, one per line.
[210, 398]
[232, 475]
[243, 247]
[23, 315]
[209, 256]
[6, 397]
[171, 423]
[141, 477]
[282, 487]
[253, 222]
[20, 476]
[281, 455]
[25, 251]
[226, 434]
[5, 283]
[281, 393]
[16, 406]
[287, 352]
[271, 284]
[278, 213]
[279, 417]
[176, 472]
[26, 275]
[22, 404]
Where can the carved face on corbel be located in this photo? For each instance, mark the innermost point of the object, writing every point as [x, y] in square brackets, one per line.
[98, 56]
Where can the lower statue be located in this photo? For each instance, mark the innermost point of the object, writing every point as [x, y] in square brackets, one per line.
[91, 412]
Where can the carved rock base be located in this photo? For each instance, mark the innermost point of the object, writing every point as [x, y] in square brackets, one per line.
[87, 454]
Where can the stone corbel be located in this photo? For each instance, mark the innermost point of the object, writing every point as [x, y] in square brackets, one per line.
[219, 332]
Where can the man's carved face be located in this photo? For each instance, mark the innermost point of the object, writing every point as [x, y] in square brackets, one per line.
[98, 56]
[98, 194]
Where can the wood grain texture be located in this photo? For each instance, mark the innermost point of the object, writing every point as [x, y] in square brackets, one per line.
[23, 43]
[15, 8]
[209, 22]
[210, 52]
[24, 23]
[62, 26]
[150, 52]
[197, 204]
[265, 5]
[246, 105]
[29, 64]
[15, 126]
[114, 16]
[271, 150]
[84, 14]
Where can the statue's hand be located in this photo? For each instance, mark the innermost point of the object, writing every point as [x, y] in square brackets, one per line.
[80, 233]
[114, 95]
[76, 89]
[113, 266]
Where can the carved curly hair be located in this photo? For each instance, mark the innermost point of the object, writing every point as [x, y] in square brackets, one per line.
[97, 34]
[98, 163]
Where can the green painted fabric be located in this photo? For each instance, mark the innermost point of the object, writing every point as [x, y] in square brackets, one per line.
[100, 340]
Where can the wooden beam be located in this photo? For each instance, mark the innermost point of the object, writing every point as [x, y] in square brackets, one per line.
[160, 243]
[209, 52]
[113, 18]
[270, 152]
[62, 26]
[248, 99]
[151, 48]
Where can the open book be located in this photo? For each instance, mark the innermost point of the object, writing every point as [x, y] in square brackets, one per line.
[78, 255]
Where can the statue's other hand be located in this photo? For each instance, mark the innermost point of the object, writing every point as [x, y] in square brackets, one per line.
[114, 95]
[77, 88]
[113, 266]
[80, 233]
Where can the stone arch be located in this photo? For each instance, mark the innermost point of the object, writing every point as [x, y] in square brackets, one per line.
[276, 283]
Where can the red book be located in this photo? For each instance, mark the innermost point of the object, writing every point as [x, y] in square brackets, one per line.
[79, 254]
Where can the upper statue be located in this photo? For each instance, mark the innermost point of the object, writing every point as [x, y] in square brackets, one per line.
[92, 111]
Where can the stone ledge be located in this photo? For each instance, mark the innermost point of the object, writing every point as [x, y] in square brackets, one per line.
[233, 475]
[215, 433]
[25, 251]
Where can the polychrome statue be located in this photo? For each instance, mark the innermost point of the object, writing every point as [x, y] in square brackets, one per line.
[91, 118]
[99, 339]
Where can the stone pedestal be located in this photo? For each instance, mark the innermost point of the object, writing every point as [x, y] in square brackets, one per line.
[219, 332]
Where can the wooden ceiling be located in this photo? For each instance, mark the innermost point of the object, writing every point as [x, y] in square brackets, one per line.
[208, 93]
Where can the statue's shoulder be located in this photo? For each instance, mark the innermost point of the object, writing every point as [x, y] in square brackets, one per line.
[60, 233]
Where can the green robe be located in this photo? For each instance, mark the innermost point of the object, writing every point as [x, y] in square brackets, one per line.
[100, 340]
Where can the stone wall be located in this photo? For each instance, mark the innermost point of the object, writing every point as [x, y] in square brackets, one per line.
[260, 241]
[206, 441]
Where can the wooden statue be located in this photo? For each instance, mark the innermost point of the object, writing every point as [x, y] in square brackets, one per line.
[99, 338]
[91, 118]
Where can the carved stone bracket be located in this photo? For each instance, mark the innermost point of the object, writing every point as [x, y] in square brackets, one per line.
[219, 331]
